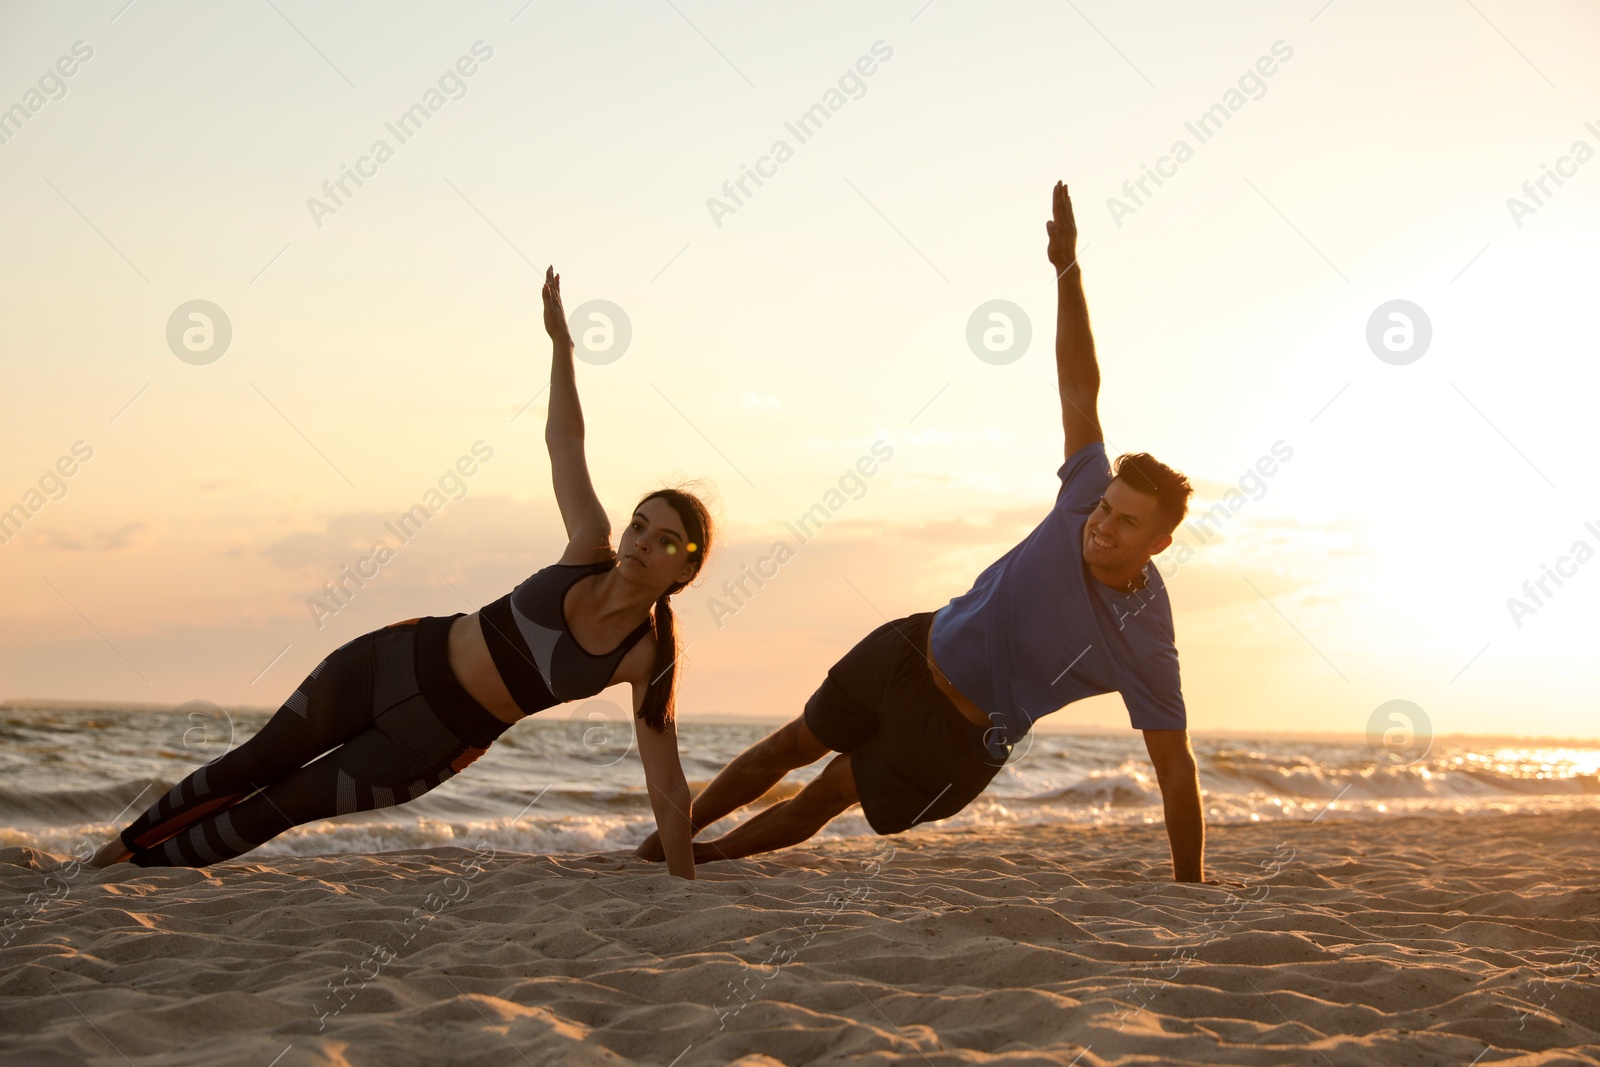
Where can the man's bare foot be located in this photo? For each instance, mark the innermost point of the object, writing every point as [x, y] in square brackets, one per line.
[113, 851]
[651, 849]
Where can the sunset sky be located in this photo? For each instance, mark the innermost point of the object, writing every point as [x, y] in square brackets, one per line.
[376, 339]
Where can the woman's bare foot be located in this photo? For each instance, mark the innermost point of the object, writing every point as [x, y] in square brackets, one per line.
[113, 851]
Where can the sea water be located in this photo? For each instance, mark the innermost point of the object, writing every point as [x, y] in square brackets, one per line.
[71, 777]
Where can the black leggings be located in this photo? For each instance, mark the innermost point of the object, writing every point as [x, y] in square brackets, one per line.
[387, 705]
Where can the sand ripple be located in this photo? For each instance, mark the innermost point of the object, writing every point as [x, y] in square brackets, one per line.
[1411, 941]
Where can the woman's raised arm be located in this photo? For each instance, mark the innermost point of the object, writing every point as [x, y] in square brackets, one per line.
[588, 529]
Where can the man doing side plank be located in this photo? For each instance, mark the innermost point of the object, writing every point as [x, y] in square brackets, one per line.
[924, 711]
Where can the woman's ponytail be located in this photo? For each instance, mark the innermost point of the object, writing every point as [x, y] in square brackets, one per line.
[658, 709]
[659, 705]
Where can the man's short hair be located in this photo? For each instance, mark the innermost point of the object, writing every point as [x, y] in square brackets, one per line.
[1148, 475]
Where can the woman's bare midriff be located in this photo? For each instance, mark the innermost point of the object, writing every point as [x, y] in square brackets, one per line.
[967, 708]
[474, 668]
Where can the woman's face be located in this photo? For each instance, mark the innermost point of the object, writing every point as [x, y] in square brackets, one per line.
[654, 550]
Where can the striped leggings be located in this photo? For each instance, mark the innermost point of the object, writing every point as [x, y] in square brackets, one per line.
[380, 721]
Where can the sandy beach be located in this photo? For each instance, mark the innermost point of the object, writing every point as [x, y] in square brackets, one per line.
[1418, 940]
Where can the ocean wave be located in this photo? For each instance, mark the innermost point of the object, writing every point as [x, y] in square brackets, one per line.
[68, 806]
[1123, 788]
[393, 829]
[68, 775]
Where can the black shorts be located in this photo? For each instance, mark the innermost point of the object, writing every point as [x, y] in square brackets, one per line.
[915, 758]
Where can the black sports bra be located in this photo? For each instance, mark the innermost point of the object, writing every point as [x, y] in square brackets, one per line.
[540, 661]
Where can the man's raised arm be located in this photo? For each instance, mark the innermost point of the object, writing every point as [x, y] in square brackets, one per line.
[1077, 373]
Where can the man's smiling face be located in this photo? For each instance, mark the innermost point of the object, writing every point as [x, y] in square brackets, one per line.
[1124, 530]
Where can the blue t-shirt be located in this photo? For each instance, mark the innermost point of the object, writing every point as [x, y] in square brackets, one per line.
[1037, 631]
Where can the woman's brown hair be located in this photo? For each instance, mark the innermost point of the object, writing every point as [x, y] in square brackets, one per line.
[658, 708]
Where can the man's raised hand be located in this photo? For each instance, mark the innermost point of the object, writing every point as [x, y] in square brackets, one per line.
[555, 317]
[1063, 231]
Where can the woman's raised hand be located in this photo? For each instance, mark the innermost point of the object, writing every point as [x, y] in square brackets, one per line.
[555, 316]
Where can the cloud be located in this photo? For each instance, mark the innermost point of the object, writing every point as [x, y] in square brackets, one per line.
[214, 485]
[126, 536]
[1201, 585]
[486, 544]
[848, 576]
[1008, 525]
[343, 537]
